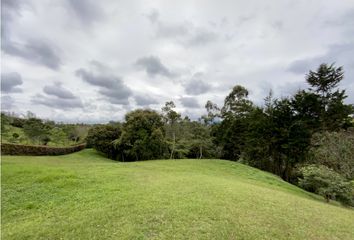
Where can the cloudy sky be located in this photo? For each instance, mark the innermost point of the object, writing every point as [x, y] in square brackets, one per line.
[92, 61]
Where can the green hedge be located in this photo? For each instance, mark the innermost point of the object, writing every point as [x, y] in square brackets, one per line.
[33, 150]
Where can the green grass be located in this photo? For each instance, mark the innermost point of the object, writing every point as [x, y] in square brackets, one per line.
[85, 196]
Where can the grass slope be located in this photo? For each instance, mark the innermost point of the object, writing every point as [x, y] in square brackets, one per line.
[85, 196]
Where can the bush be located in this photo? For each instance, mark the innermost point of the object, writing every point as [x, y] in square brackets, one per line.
[18, 122]
[327, 183]
[335, 150]
[35, 150]
[36, 130]
[101, 137]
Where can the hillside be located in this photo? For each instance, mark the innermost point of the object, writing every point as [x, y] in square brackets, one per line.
[86, 196]
[57, 137]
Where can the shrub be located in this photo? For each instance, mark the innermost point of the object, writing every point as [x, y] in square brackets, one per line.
[35, 150]
[335, 150]
[327, 183]
[18, 122]
[101, 137]
[36, 130]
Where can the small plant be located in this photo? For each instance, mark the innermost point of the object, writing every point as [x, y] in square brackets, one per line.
[14, 138]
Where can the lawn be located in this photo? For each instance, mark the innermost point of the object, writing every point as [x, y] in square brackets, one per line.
[86, 196]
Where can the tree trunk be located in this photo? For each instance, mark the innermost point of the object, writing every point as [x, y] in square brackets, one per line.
[173, 145]
[201, 152]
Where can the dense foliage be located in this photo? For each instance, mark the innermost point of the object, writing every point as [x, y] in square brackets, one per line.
[31, 130]
[327, 183]
[37, 150]
[310, 127]
[334, 150]
[142, 137]
[101, 138]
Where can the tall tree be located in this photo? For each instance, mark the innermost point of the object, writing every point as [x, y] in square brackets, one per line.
[236, 104]
[171, 118]
[333, 114]
[230, 134]
[213, 112]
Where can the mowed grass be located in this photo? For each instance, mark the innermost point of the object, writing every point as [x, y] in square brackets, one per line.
[86, 196]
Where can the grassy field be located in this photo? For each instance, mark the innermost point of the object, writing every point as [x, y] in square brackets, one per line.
[85, 196]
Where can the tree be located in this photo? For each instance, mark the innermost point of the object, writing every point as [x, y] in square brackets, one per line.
[325, 79]
[58, 136]
[36, 130]
[290, 140]
[101, 138]
[327, 183]
[307, 108]
[18, 122]
[213, 112]
[334, 150]
[230, 134]
[236, 103]
[4, 123]
[201, 142]
[333, 113]
[259, 145]
[142, 137]
[171, 119]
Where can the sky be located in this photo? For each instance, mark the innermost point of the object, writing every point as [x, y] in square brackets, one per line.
[93, 61]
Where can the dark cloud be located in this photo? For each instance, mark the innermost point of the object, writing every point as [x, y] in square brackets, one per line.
[97, 79]
[57, 97]
[10, 81]
[196, 86]
[9, 10]
[55, 102]
[118, 95]
[11, 4]
[7, 103]
[189, 102]
[36, 51]
[42, 53]
[58, 91]
[145, 100]
[87, 11]
[110, 86]
[153, 66]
